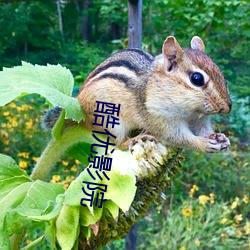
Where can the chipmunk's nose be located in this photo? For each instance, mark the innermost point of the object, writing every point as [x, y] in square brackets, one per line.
[227, 108]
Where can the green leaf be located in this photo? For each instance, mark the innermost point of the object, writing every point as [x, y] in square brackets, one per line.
[86, 232]
[53, 82]
[8, 220]
[14, 198]
[45, 216]
[9, 168]
[67, 226]
[50, 234]
[39, 194]
[74, 193]
[121, 189]
[80, 151]
[14, 223]
[4, 240]
[20, 198]
[9, 184]
[86, 218]
[112, 208]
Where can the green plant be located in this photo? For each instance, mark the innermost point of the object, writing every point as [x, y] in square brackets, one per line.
[207, 205]
[199, 223]
[30, 201]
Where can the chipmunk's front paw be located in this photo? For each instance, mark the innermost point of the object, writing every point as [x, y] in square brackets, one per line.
[218, 142]
[141, 139]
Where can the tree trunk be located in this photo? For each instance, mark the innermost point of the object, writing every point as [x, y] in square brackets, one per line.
[135, 23]
[85, 23]
[134, 41]
[131, 238]
[59, 16]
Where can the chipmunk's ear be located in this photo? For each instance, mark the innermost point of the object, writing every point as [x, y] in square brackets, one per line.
[197, 43]
[171, 49]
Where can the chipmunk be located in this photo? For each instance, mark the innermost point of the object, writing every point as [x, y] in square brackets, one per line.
[170, 97]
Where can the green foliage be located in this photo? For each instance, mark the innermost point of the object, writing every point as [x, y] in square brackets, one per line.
[81, 58]
[52, 82]
[19, 198]
[198, 224]
[223, 25]
[238, 121]
[30, 32]
[25, 200]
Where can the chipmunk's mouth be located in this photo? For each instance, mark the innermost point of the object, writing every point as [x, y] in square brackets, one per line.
[224, 108]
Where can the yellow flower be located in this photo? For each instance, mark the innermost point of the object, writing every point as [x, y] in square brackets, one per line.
[55, 178]
[247, 227]
[183, 248]
[14, 123]
[197, 242]
[235, 203]
[238, 218]
[203, 199]
[193, 190]
[4, 134]
[223, 220]
[245, 199]
[65, 163]
[12, 105]
[77, 162]
[238, 233]
[35, 159]
[224, 164]
[6, 113]
[223, 235]
[6, 149]
[29, 124]
[73, 168]
[70, 178]
[211, 195]
[23, 164]
[65, 185]
[24, 107]
[187, 211]
[234, 152]
[197, 152]
[24, 154]
[6, 141]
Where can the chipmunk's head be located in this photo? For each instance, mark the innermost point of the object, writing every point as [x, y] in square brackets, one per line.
[197, 75]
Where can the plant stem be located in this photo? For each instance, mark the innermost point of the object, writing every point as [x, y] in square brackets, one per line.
[52, 153]
[56, 147]
[16, 240]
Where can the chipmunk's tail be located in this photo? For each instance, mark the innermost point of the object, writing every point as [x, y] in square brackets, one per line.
[50, 117]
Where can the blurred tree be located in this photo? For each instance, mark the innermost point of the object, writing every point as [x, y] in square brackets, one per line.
[134, 23]
[58, 2]
[30, 31]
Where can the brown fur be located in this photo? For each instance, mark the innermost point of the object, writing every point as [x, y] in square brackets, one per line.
[156, 94]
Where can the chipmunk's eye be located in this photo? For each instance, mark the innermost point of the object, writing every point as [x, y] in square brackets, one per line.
[197, 79]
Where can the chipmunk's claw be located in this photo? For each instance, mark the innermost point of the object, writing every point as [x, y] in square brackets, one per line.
[218, 142]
